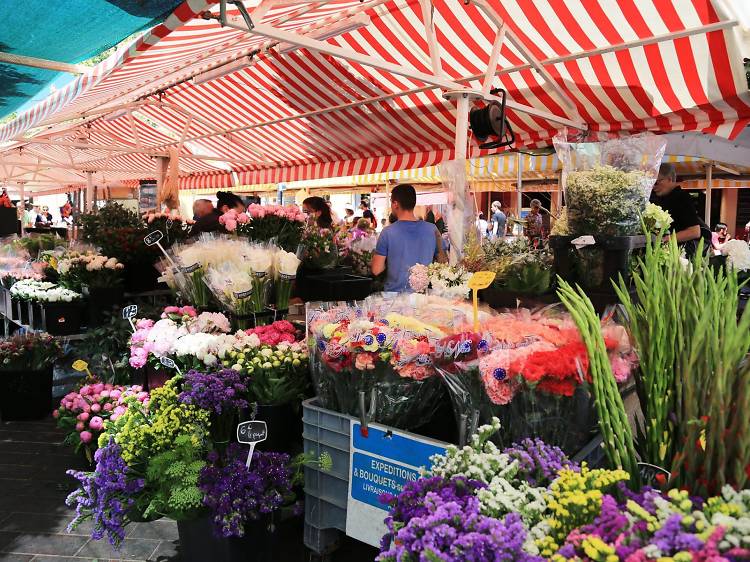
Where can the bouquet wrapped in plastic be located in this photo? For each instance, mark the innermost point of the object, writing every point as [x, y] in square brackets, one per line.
[285, 265]
[607, 184]
[375, 358]
[530, 369]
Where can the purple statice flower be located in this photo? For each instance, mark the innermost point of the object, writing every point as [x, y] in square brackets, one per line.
[610, 523]
[105, 495]
[452, 532]
[672, 538]
[236, 494]
[219, 392]
[538, 462]
[410, 502]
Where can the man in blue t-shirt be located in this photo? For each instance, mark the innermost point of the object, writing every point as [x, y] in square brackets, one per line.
[406, 242]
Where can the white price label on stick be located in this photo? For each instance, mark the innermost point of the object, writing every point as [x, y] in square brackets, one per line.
[167, 362]
[155, 237]
[130, 312]
[250, 433]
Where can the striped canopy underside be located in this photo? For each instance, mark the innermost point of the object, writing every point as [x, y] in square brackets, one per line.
[694, 83]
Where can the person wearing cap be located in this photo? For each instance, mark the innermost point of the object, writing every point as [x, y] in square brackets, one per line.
[349, 214]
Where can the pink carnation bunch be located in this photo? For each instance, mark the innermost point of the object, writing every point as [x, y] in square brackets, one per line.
[274, 334]
[85, 412]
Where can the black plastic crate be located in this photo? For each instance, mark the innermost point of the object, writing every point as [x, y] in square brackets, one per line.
[595, 267]
[336, 287]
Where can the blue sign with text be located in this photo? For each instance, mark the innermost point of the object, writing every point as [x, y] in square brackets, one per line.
[384, 461]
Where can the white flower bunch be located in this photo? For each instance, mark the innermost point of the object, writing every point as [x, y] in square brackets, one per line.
[364, 244]
[503, 496]
[737, 253]
[260, 260]
[286, 263]
[42, 291]
[480, 460]
[656, 219]
[201, 346]
[210, 323]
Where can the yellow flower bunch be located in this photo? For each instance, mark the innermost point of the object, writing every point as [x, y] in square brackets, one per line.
[143, 432]
[575, 499]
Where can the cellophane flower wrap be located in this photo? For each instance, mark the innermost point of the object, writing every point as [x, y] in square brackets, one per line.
[193, 261]
[285, 266]
[232, 285]
[607, 183]
[530, 370]
[383, 351]
[29, 351]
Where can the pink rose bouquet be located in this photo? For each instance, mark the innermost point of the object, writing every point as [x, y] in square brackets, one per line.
[84, 413]
[264, 223]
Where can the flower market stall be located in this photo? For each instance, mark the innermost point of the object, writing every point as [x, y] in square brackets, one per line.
[251, 383]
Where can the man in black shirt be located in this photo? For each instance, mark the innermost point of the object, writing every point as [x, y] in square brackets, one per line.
[206, 217]
[669, 196]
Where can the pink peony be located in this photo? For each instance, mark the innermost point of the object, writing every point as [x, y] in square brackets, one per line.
[108, 407]
[83, 416]
[79, 426]
[115, 394]
[189, 311]
[56, 414]
[96, 408]
[105, 393]
[96, 423]
[144, 324]
[172, 310]
[86, 389]
[86, 436]
[620, 369]
[118, 411]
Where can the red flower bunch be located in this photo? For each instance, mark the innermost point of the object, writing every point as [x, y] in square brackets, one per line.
[556, 372]
[274, 334]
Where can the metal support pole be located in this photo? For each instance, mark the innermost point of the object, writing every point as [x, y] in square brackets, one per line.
[22, 191]
[462, 132]
[709, 180]
[519, 184]
[89, 191]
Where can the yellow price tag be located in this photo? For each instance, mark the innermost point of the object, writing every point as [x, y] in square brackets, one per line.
[80, 365]
[479, 280]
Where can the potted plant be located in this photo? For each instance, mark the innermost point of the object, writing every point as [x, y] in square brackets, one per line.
[26, 376]
[98, 277]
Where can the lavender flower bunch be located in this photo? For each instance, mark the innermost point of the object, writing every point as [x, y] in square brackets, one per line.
[217, 392]
[236, 494]
[452, 532]
[410, 502]
[538, 462]
[105, 495]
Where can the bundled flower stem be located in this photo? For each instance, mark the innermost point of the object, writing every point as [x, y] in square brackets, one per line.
[613, 420]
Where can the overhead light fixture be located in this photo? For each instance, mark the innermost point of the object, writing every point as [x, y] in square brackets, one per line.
[223, 70]
[348, 25]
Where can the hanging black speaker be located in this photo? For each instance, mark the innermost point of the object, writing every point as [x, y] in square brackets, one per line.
[490, 121]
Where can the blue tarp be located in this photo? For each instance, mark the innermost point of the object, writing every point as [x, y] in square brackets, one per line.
[66, 31]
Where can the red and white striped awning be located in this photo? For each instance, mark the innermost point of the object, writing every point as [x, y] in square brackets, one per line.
[658, 65]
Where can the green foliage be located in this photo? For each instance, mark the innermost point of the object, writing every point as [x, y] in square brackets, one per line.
[172, 478]
[694, 383]
[613, 419]
[39, 243]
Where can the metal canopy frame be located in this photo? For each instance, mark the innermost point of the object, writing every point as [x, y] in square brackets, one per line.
[137, 97]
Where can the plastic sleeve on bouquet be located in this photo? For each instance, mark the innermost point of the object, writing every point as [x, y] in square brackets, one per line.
[608, 181]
